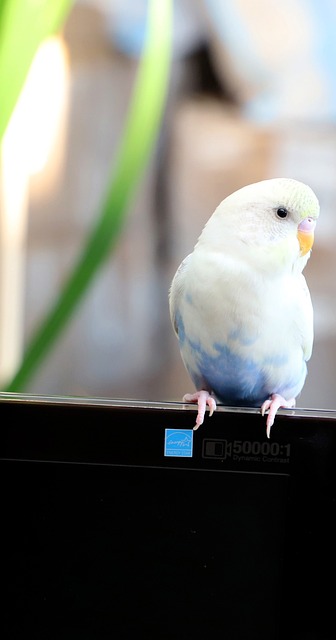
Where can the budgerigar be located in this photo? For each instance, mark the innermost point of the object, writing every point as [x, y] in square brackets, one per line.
[240, 305]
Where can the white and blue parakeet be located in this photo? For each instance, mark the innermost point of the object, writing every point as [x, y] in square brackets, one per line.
[240, 305]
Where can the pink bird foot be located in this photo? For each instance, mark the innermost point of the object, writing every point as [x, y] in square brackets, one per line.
[272, 405]
[202, 398]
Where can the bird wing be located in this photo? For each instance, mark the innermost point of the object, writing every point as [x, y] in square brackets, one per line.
[304, 317]
[176, 291]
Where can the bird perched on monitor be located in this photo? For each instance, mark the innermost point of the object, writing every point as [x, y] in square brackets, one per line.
[240, 305]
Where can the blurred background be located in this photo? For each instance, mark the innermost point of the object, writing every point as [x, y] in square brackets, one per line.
[252, 95]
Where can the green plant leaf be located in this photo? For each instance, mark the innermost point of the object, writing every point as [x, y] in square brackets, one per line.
[140, 134]
[24, 24]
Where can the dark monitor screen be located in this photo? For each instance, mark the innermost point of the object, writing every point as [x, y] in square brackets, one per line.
[119, 519]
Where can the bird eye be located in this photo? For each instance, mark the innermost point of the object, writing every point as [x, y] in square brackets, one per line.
[282, 212]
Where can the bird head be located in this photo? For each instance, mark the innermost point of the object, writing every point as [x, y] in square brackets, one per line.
[272, 217]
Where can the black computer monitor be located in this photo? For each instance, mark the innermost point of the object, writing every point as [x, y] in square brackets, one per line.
[121, 521]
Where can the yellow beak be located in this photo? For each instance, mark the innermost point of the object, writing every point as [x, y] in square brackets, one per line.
[305, 235]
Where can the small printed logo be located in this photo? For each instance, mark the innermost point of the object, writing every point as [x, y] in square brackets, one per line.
[178, 443]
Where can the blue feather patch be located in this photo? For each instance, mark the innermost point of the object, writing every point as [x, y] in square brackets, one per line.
[237, 380]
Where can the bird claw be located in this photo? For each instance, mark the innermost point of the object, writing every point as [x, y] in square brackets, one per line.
[271, 405]
[202, 398]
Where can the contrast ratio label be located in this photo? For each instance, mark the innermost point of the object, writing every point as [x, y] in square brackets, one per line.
[247, 451]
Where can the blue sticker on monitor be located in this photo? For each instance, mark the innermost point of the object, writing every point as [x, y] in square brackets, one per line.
[178, 443]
